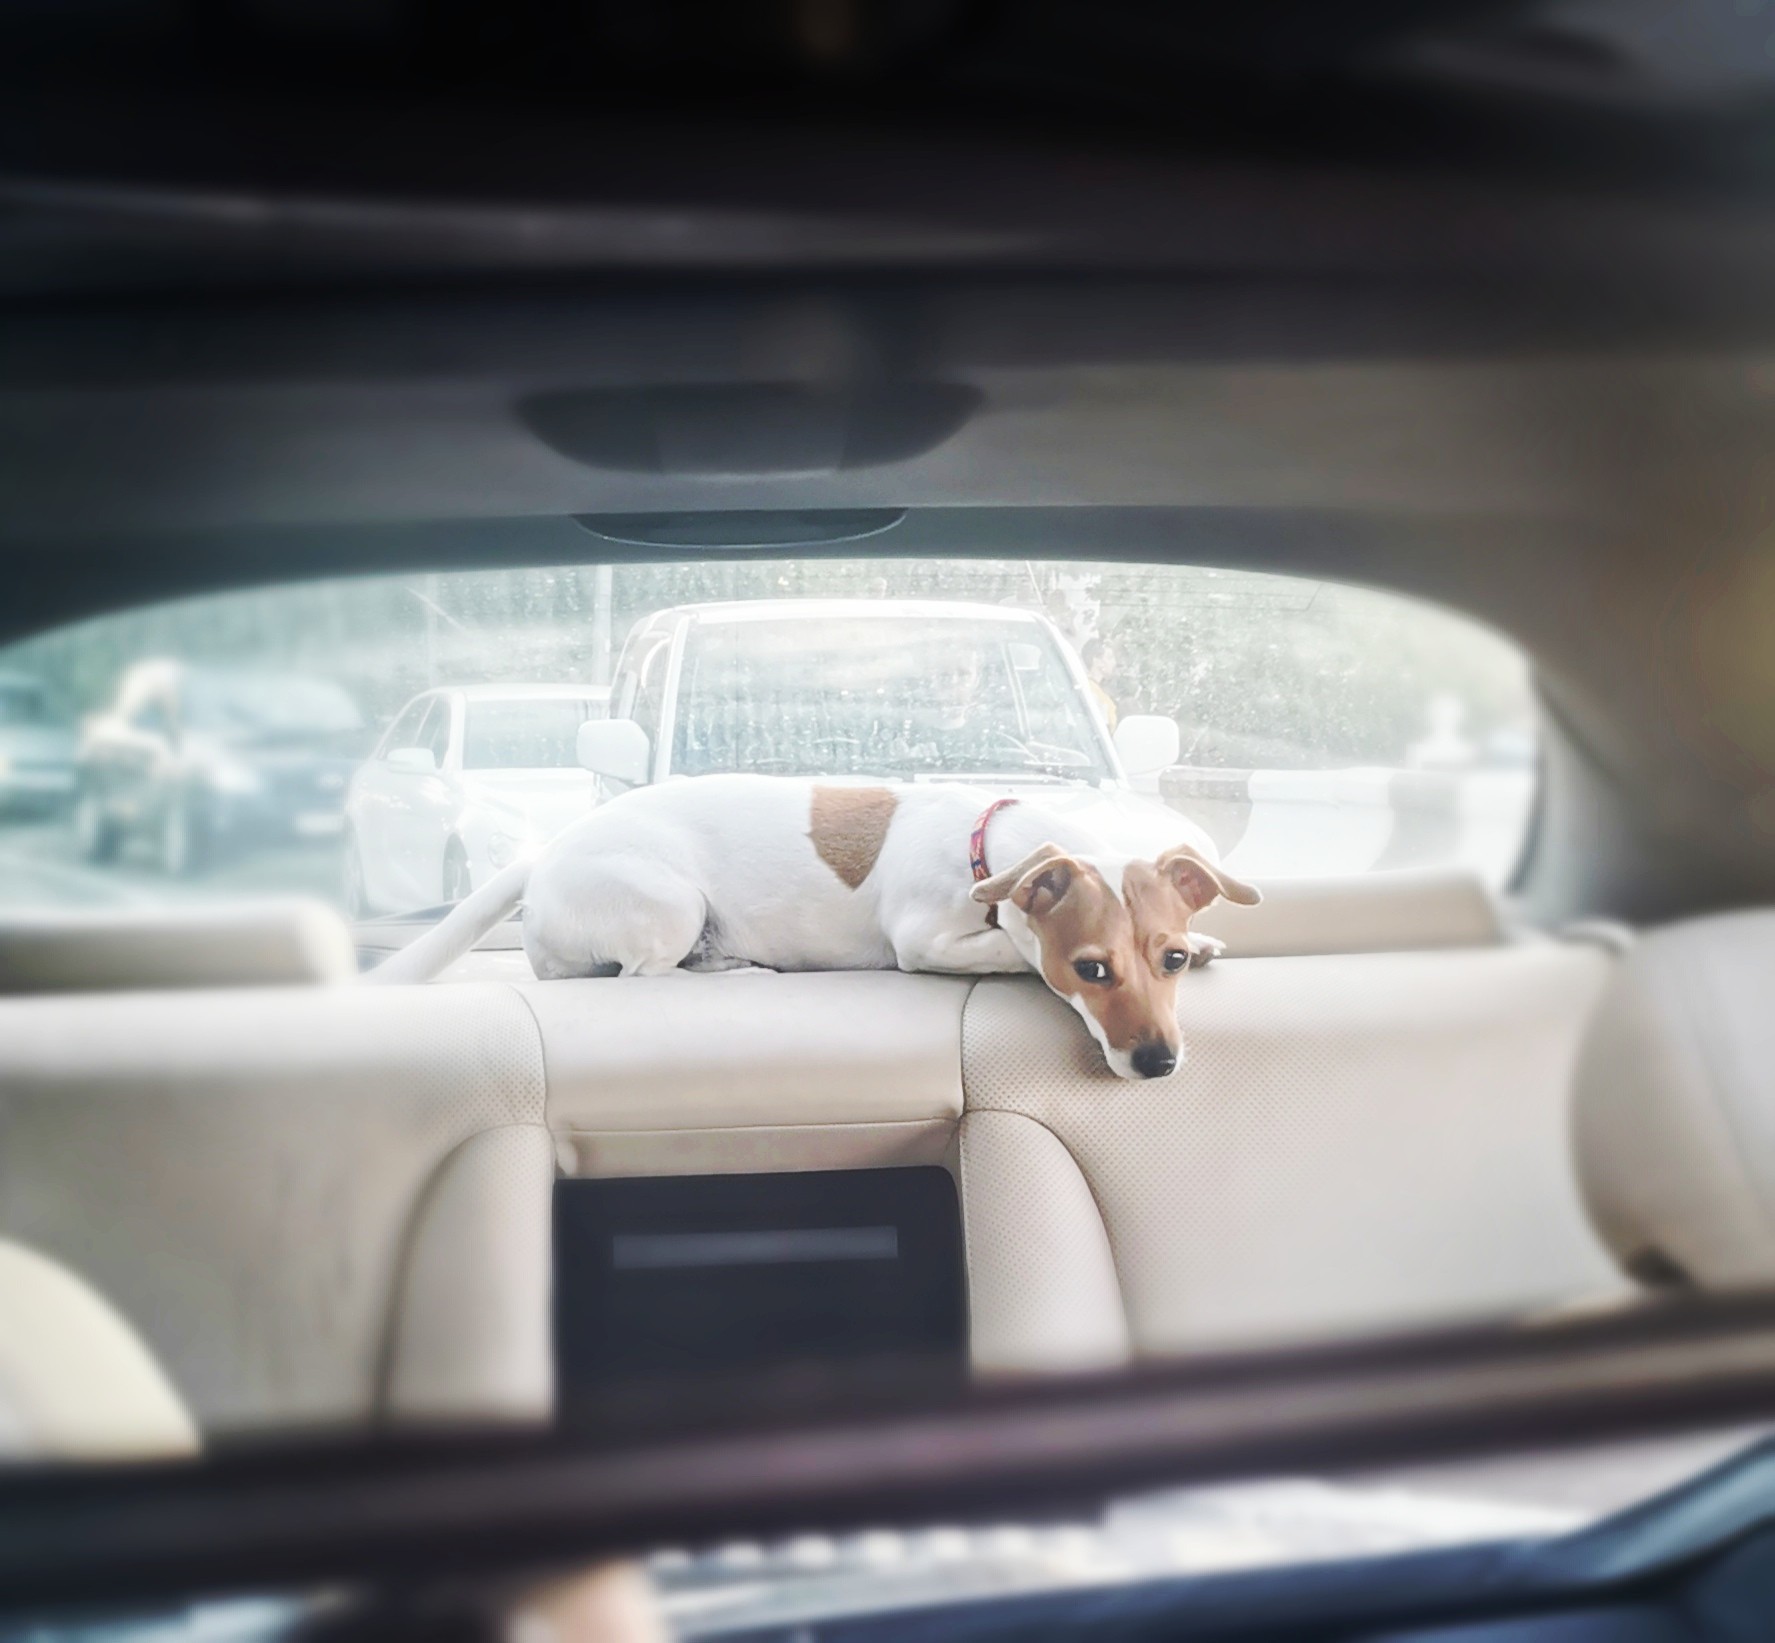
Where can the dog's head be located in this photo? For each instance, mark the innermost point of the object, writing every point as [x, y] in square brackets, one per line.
[1111, 938]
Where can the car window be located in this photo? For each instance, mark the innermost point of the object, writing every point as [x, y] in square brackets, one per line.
[1320, 730]
[242, 706]
[404, 732]
[649, 700]
[523, 735]
[434, 734]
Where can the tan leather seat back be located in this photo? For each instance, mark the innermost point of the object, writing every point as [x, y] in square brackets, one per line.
[1676, 1105]
[319, 1205]
[332, 1205]
[1366, 1142]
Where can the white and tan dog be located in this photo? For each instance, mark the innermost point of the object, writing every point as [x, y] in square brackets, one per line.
[726, 872]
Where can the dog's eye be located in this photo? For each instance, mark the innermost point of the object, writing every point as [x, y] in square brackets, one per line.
[1175, 959]
[1093, 970]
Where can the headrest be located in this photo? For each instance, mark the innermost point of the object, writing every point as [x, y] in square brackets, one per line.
[1675, 1105]
[1369, 913]
[231, 944]
[76, 1382]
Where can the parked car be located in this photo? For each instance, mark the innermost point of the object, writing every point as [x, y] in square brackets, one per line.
[202, 760]
[36, 752]
[464, 779]
[905, 690]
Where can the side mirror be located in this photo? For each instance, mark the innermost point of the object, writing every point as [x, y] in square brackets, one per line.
[412, 761]
[1148, 743]
[617, 748]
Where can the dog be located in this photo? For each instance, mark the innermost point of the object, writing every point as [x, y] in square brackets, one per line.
[733, 872]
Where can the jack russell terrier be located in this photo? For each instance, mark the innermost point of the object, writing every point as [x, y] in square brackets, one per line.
[731, 872]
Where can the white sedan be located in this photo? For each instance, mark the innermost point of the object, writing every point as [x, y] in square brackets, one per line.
[464, 780]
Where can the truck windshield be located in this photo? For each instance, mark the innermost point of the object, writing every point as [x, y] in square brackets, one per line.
[869, 696]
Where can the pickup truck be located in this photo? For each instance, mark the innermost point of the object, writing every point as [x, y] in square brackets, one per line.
[879, 690]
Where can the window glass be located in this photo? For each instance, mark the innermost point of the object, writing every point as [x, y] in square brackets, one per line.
[652, 662]
[240, 706]
[405, 730]
[1319, 729]
[434, 734]
[539, 734]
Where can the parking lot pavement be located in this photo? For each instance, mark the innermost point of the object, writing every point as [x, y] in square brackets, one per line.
[40, 866]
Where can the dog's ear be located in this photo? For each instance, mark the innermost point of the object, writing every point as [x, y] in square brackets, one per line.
[1045, 874]
[1199, 881]
[1040, 888]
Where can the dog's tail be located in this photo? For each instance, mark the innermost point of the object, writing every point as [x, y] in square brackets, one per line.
[457, 931]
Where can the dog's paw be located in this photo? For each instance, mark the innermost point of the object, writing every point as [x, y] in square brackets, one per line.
[1203, 949]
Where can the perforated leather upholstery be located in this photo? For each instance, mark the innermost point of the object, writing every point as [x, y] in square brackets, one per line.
[1676, 1104]
[1042, 1277]
[469, 1337]
[1364, 1142]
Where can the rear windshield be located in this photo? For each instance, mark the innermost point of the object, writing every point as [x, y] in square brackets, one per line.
[1309, 728]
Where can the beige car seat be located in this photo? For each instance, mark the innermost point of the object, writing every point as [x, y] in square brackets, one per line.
[1367, 1142]
[1675, 1115]
[76, 1382]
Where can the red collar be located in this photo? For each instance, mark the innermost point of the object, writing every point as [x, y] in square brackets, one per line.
[977, 849]
[977, 839]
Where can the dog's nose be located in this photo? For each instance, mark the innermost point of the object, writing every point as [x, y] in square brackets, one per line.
[1153, 1060]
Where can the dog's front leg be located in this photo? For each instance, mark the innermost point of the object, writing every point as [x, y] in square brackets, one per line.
[707, 959]
[655, 966]
[937, 945]
[702, 965]
[1202, 949]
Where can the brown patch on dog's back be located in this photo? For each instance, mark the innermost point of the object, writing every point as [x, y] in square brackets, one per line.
[847, 826]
